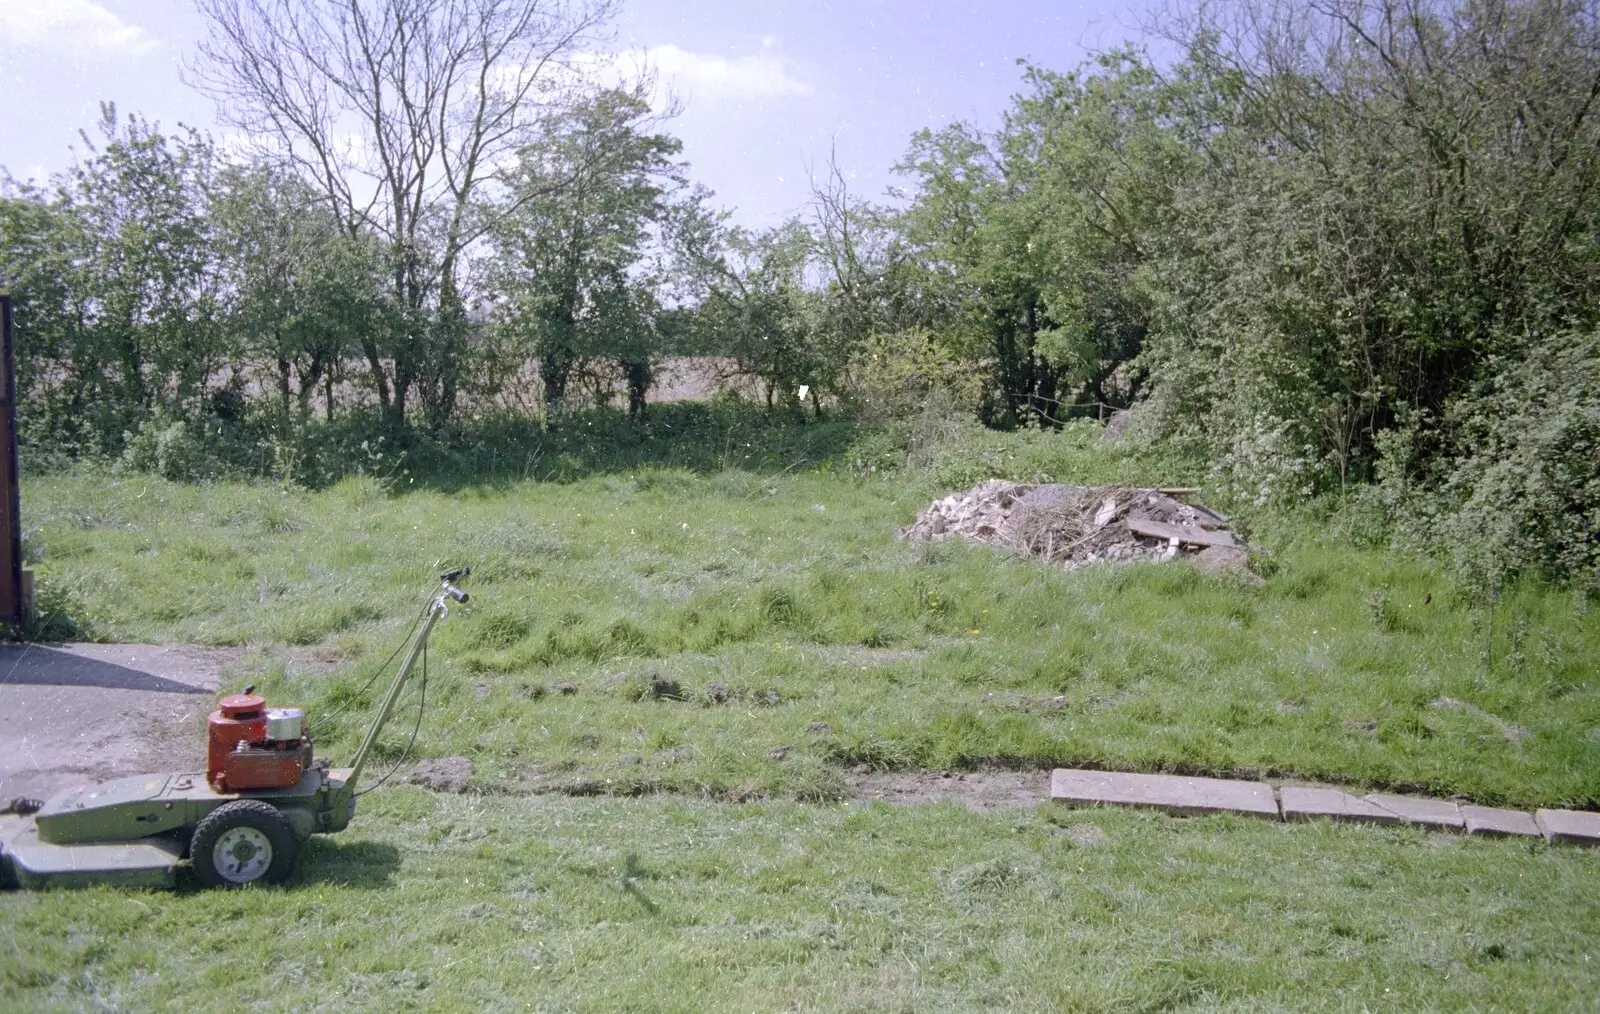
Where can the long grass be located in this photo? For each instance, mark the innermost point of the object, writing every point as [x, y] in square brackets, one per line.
[743, 632]
[724, 631]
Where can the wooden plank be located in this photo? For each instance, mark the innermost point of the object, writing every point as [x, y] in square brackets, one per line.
[1193, 536]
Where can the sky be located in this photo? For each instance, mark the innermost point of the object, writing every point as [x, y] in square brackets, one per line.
[768, 89]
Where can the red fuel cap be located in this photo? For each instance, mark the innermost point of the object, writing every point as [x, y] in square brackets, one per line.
[240, 705]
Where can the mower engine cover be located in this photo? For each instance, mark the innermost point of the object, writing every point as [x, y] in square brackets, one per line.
[251, 747]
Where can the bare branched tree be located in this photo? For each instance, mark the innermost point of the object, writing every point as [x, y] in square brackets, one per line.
[400, 111]
[853, 245]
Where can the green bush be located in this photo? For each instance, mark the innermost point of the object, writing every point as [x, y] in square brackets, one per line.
[166, 447]
[1518, 490]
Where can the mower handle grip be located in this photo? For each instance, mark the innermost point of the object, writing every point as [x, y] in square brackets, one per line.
[449, 587]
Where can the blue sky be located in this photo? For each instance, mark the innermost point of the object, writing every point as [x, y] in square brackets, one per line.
[768, 87]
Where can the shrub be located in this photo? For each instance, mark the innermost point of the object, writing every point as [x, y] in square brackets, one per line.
[899, 374]
[1518, 490]
[166, 447]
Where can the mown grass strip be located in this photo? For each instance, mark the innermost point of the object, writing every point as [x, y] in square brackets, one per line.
[446, 903]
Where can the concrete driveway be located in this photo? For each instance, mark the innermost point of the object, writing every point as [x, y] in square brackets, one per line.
[78, 713]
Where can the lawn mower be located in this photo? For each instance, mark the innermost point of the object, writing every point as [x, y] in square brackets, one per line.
[241, 821]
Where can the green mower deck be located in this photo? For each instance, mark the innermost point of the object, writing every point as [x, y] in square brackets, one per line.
[136, 831]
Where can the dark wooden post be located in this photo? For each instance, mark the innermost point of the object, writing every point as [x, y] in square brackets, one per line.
[13, 605]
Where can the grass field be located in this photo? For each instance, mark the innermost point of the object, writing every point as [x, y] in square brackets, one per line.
[775, 601]
[498, 904]
[738, 627]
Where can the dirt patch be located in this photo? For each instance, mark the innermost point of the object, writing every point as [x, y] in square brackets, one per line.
[977, 790]
[442, 774]
[1074, 526]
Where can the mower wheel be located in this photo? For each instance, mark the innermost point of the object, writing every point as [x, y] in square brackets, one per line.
[243, 842]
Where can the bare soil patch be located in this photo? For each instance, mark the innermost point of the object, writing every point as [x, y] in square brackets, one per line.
[977, 790]
[442, 774]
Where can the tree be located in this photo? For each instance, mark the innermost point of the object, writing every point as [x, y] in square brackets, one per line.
[981, 274]
[1030, 246]
[1099, 161]
[859, 255]
[579, 244]
[755, 305]
[400, 112]
[41, 264]
[120, 296]
[1396, 194]
[302, 292]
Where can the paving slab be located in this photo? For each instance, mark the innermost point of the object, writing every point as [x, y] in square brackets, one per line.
[1171, 793]
[1486, 821]
[1439, 813]
[1302, 802]
[1575, 827]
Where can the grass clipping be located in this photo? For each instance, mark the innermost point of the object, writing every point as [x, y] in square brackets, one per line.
[1074, 526]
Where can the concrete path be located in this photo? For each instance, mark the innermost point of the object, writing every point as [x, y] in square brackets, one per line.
[87, 712]
[1299, 803]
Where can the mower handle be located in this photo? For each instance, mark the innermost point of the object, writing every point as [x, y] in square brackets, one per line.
[435, 611]
[449, 588]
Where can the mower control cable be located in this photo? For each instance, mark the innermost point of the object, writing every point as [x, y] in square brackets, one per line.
[422, 698]
[437, 609]
[353, 698]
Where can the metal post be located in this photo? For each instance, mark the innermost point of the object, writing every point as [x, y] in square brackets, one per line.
[12, 603]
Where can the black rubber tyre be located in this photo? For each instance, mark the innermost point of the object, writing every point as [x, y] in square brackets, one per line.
[243, 842]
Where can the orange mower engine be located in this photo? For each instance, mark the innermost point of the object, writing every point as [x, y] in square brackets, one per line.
[254, 747]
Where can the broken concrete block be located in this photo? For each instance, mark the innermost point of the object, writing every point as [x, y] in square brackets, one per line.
[1575, 827]
[1307, 803]
[1440, 813]
[1486, 821]
[1171, 793]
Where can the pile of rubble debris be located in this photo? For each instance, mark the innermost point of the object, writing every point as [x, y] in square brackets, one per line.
[1078, 525]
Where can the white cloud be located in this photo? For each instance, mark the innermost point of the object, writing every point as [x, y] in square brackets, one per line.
[73, 25]
[713, 77]
[710, 78]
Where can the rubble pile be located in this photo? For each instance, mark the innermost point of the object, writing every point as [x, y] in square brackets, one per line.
[1078, 525]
